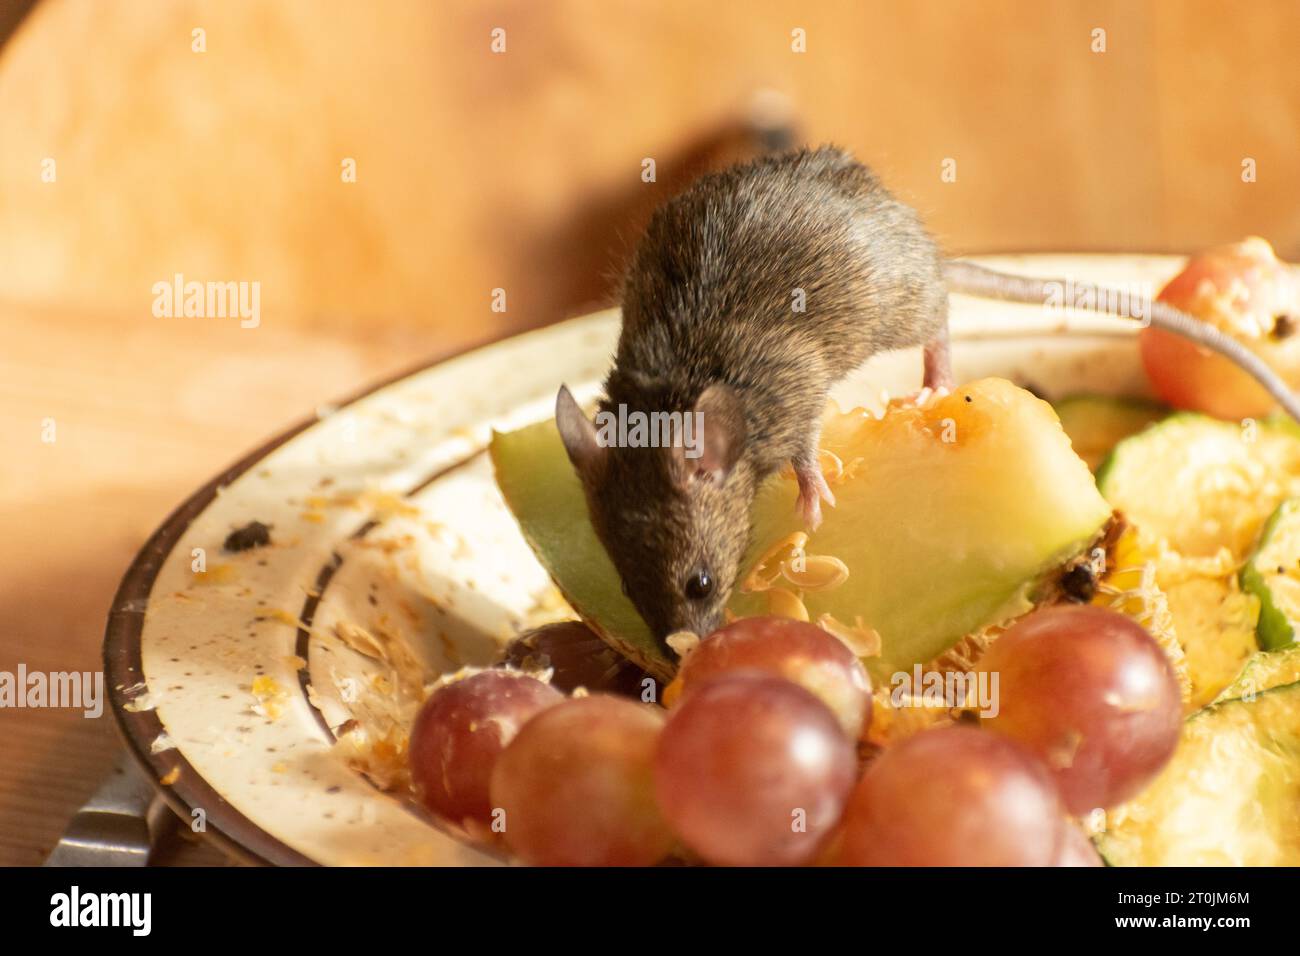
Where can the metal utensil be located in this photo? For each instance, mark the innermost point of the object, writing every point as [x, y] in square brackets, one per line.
[119, 825]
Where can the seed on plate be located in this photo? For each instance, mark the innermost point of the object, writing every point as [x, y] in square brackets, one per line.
[863, 641]
[785, 603]
[768, 569]
[816, 572]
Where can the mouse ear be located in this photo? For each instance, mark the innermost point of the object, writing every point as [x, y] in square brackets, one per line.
[579, 435]
[718, 430]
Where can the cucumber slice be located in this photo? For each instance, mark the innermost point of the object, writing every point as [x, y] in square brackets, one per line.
[1229, 797]
[1264, 671]
[1196, 486]
[1283, 422]
[1097, 423]
[1272, 574]
[1215, 624]
[1199, 484]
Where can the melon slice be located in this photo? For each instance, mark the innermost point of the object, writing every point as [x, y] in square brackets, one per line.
[949, 515]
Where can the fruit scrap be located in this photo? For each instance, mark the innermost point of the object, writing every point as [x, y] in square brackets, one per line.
[252, 535]
[1243, 290]
[815, 572]
[863, 641]
[381, 756]
[270, 696]
[1129, 586]
[767, 570]
[782, 602]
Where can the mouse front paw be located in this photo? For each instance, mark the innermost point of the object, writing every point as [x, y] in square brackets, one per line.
[922, 396]
[813, 490]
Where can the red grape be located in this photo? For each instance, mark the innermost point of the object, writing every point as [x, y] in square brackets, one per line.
[575, 786]
[956, 796]
[578, 658]
[1092, 693]
[753, 770]
[800, 652]
[459, 732]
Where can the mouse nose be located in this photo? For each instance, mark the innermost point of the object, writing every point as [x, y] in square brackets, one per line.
[706, 623]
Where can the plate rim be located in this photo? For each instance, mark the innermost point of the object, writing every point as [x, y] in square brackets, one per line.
[235, 834]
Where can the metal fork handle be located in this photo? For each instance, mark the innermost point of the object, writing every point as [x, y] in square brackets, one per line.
[119, 825]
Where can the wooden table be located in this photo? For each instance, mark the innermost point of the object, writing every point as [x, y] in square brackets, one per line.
[143, 410]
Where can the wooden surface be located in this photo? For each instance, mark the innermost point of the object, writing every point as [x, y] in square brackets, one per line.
[145, 412]
[520, 171]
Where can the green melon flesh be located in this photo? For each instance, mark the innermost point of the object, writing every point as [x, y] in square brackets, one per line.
[949, 522]
[540, 487]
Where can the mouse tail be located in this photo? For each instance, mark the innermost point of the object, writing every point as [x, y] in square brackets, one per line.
[967, 278]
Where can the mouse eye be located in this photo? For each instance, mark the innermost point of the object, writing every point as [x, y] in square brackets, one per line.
[699, 585]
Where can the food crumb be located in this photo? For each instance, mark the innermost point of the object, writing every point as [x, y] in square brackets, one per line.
[682, 642]
[217, 574]
[252, 535]
[270, 696]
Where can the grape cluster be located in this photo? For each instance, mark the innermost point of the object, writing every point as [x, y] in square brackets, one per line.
[756, 761]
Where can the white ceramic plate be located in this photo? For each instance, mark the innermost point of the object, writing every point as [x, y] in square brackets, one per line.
[393, 560]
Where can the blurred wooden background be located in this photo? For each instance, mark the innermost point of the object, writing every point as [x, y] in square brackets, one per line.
[519, 170]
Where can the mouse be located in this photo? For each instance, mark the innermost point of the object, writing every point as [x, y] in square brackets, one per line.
[748, 296]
